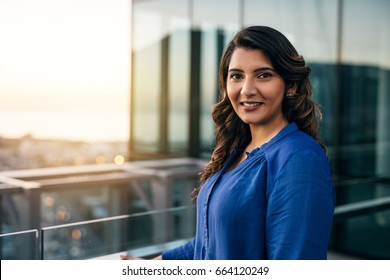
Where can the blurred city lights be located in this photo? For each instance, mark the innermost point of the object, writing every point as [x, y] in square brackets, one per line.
[76, 234]
[119, 159]
[101, 159]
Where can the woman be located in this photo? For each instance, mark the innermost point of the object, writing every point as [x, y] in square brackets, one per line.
[267, 191]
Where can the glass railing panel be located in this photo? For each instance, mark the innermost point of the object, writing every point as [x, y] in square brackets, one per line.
[96, 238]
[362, 228]
[355, 190]
[75, 205]
[367, 236]
[22, 245]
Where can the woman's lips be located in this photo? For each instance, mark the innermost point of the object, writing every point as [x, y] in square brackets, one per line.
[251, 104]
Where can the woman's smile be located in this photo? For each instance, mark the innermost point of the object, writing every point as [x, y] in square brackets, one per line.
[250, 105]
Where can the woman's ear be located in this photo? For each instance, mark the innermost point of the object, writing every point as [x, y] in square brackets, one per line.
[292, 89]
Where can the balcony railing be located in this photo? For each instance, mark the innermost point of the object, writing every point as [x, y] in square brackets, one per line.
[140, 207]
[60, 210]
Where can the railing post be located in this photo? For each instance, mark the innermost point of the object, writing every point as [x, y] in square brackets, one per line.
[188, 221]
[162, 199]
[117, 233]
[31, 219]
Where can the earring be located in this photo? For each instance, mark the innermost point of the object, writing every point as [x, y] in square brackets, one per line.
[290, 94]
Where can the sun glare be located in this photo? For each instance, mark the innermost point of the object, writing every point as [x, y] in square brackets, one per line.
[64, 56]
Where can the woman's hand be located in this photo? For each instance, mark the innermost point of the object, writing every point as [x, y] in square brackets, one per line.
[126, 257]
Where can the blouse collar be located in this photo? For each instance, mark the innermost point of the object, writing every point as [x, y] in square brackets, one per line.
[288, 129]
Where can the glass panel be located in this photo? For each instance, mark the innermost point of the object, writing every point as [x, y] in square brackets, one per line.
[383, 118]
[178, 87]
[209, 93]
[366, 236]
[366, 38]
[12, 205]
[367, 189]
[324, 81]
[19, 245]
[365, 84]
[113, 235]
[359, 120]
[59, 207]
[224, 14]
[310, 25]
[160, 83]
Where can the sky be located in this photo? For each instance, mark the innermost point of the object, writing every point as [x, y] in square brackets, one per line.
[65, 68]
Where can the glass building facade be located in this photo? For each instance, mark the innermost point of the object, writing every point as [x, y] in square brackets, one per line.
[176, 47]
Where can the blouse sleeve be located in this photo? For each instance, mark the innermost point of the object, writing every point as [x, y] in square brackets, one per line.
[184, 252]
[300, 209]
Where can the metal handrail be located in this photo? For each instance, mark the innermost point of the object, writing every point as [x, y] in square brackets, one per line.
[350, 210]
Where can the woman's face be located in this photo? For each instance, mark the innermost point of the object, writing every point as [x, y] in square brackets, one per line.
[254, 88]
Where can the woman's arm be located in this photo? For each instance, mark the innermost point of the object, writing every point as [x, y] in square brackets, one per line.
[300, 209]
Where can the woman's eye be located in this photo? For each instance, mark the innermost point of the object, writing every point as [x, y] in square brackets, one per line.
[265, 75]
[235, 76]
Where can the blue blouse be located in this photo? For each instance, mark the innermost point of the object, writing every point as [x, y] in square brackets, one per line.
[277, 204]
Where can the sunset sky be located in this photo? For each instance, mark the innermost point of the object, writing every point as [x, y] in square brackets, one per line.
[65, 68]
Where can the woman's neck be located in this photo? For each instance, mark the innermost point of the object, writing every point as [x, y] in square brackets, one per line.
[263, 134]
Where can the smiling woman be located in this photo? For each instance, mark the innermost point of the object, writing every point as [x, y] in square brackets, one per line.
[59, 57]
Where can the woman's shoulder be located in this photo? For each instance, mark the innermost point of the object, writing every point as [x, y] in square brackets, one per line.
[296, 145]
[292, 140]
[301, 141]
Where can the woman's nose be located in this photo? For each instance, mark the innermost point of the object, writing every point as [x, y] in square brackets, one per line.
[248, 87]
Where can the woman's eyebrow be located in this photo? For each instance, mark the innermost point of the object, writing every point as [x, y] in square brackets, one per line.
[264, 69]
[235, 70]
[256, 70]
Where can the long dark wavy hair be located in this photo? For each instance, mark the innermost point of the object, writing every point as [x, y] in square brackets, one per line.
[231, 131]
